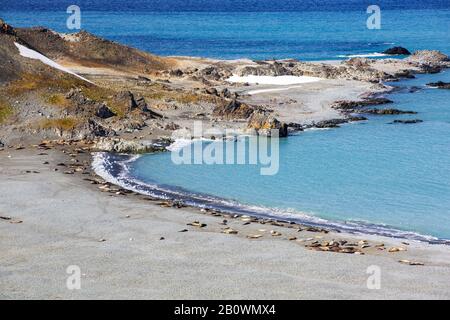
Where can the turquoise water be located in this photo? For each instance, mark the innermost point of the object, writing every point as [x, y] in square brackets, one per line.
[373, 172]
[366, 173]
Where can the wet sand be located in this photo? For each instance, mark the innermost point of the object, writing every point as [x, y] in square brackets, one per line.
[58, 220]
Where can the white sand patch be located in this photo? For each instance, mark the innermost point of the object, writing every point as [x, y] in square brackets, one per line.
[31, 54]
[252, 92]
[279, 81]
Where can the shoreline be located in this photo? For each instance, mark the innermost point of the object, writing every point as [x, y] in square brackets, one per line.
[56, 212]
[130, 228]
[112, 168]
[358, 228]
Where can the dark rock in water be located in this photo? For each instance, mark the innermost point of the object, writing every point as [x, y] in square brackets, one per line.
[353, 105]
[397, 51]
[333, 123]
[439, 84]
[104, 112]
[233, 110]
[407, 121]
[404, 74]
[431, 69]
[387, 111]
[356, 118]
[413, 89]
[296, 126]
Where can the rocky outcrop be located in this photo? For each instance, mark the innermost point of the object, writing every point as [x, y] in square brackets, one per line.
[397, 51]
[353, 69]
[439, 85]
[105, 112]
[333, 123]
[131, 102]
[213, 73]
[351, 106]
[6, 28]
[407, 121]
[264, 124]
[95, 129]
[387, 111]
[429, 61]
[265, 68]
[362, 107]
[233, 110]
[129, 146]
[224, 93]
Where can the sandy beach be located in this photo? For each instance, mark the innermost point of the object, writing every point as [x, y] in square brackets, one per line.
[81, 93]
[58, 220]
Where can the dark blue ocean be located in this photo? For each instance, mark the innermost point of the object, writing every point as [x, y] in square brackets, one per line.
[396, 176]
[258, 29]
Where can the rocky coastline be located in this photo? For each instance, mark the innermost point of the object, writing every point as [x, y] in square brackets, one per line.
[51, 122]
[127, 104]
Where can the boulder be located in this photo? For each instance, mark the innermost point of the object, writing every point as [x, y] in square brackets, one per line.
[333, 123]
[397, 51]
[439, 85]
[95, 129]
[127, 146]
[104, 112]
[6, 29]
[264, 124]
[407, 121]
[387, 111]
[132, 102]
[233, 110]
[349, 105]
[126, 98]
[176, 73]
[429, 57]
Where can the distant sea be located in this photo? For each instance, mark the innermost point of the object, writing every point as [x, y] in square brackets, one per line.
[257, 29]
[371, 176]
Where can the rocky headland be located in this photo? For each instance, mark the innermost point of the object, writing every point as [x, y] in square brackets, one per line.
[135, 95]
